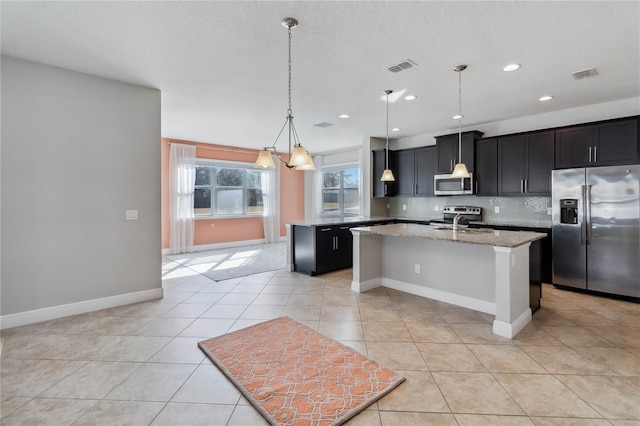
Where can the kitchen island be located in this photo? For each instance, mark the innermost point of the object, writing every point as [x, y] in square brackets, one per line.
[479, 269]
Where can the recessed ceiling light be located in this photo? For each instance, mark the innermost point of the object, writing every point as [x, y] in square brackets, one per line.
[395, 129]
[545, 98]
[457, 117]
[511, 67]
[410, 98]
[343, 116]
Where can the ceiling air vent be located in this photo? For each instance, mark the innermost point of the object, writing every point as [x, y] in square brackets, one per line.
[324, 124]
[404, 65]
[579, 75]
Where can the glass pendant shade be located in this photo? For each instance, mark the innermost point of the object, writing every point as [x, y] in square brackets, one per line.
[265, 161]
[307, 167]
[387, 176]
[299, 156]
[460, 171]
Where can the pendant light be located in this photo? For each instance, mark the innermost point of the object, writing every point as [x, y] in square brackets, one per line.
[387, 174]
[299, 157]
[460, 171]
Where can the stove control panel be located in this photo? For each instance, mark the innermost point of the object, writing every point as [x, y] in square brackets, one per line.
[463, 210]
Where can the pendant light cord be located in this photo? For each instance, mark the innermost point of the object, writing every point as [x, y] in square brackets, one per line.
[387, 132]
[289, 111]
[460, 114]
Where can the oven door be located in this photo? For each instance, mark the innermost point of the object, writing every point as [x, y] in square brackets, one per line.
[447, 185]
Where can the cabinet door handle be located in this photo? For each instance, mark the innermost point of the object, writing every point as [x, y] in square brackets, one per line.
[343, 227]
[325, 229]
[416, 189]
[385, 189]
[476, 187]
[526, 185]
[336, 243]
[590, 154]
[522, 185]
[451, 164]
[595, 154]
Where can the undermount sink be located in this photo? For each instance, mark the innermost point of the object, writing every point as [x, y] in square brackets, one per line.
[463, 229]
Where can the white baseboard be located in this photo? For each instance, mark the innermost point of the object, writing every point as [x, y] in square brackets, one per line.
[442, 296]
[205, 247]
[53, 312]
[509, 331]
[365, 285]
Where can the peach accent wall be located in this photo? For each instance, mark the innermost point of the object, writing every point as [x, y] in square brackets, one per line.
[213, 231]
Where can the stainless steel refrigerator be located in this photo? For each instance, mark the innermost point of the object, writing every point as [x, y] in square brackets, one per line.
[596, 229]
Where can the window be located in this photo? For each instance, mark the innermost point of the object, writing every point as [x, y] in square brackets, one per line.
[227, 189]
[341, 191]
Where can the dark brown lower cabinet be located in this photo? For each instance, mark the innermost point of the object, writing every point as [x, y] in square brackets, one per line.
[320, 249]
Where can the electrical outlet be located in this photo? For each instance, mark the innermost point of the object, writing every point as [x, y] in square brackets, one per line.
[404, 207]
[387, 206]
[436, 207]
[497, 209]
[417, 268]
[131, 214]
[549, 211]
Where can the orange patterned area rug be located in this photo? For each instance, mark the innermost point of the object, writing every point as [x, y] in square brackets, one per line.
[294, 375]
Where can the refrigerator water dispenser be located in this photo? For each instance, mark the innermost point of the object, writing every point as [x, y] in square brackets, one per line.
[569, 211]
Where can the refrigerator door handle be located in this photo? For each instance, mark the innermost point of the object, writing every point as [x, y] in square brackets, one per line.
[587, 206]
[595, 154]
[583, 219]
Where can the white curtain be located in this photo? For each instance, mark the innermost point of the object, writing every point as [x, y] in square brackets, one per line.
[271, 204]
[182, 178]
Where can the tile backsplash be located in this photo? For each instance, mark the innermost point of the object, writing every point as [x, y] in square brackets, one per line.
[511, 209]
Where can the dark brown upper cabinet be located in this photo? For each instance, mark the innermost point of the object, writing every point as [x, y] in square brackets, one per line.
[486, 167]
[601, 144]
[525, 162]
[448, 151]
[416, 168]
[383, 189]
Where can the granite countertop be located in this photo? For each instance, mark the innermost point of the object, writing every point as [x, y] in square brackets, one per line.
[485, 237]
[523, 224]
[338, 220]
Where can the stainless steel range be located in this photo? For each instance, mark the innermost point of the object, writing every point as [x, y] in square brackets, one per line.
[468, 214]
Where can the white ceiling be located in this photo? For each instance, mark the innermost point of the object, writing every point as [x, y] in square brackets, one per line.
[222, 66]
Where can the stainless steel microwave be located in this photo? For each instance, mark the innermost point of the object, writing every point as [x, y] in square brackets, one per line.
[447, 185]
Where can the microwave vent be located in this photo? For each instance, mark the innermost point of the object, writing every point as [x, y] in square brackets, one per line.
[579, 75]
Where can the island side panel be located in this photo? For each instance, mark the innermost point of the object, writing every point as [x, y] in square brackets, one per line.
[460, 274]
[367, 251]
[512, 290]
[290, 265]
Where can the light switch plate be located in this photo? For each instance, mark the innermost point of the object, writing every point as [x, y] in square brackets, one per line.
[549, 211]
[497, 209]
[404, 207]
[131, 214]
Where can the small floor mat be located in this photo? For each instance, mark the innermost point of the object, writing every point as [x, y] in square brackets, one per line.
[294, 375]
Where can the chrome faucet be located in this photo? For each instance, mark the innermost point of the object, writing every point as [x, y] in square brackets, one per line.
[455, 221]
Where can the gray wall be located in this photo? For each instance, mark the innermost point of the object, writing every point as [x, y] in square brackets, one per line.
[77, 150]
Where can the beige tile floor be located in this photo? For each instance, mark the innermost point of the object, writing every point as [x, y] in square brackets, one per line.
[577, 363]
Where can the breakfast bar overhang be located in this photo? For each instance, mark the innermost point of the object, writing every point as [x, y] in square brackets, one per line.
[479, 269]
